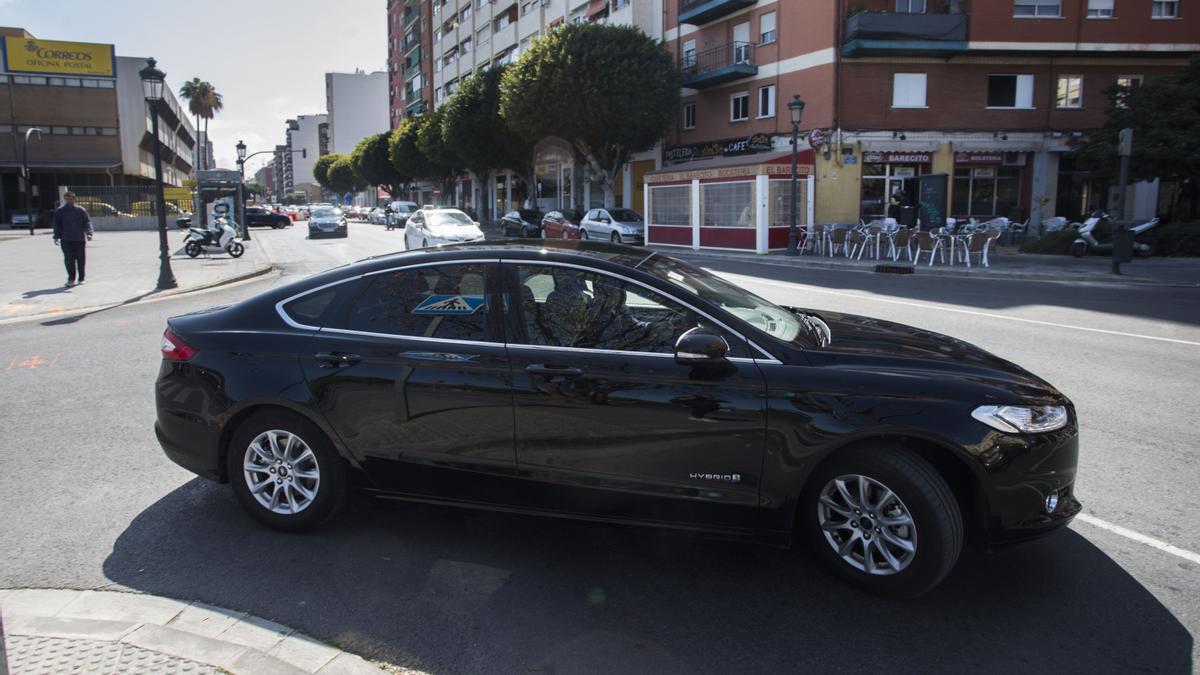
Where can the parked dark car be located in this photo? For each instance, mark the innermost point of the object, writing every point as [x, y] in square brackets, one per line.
[522, 223]
[562, 224]
[607, 383]
[256, 216]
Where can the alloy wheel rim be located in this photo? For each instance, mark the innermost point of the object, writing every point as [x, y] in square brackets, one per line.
[281, 471]
[867, 524]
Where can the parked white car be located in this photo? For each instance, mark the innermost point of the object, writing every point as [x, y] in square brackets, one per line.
[435, 226]
[619, 226]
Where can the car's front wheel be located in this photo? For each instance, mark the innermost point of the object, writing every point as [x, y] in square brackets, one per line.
[285, 472]
[883, 519]
[583, 234]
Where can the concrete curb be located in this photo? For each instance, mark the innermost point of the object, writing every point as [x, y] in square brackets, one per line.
[808, 261]
[173, 293]
[193, 632]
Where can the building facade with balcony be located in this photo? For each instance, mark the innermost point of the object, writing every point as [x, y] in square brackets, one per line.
[310, 134]
[989, 93]
[96, 127]
[449, 40]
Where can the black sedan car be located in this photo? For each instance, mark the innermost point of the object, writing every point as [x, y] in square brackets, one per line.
[522, 223]
[327, 221]
[600, 382]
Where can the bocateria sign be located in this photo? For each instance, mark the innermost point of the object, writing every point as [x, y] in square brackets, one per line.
[978, 157]
[55, 57]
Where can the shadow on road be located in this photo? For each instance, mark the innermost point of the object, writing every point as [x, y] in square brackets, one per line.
[452, 590]
[45, 291]
[74, 318]
[1179, 305]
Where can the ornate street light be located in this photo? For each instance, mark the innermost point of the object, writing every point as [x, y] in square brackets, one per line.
[152, 89]
[796, 111]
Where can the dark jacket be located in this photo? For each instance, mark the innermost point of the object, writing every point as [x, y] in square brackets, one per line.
[71, 223]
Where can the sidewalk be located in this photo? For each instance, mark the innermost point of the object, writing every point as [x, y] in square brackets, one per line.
[58, 631]
[122, 267]
[1006, 263]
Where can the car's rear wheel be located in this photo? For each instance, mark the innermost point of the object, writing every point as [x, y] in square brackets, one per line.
[285, 472]
[883, 519]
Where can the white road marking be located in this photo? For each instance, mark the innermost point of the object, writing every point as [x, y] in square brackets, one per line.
[942, 308]
[1139, 538]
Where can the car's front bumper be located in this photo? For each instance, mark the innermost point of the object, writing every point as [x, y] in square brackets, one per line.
[1026, 473]
[637, 239]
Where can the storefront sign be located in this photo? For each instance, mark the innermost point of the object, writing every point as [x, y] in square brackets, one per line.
[28, 55]
[897, 157]
[724, 148]
[816, 138]
[986, 157]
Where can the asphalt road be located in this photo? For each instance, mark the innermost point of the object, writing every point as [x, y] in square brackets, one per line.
[87, 500]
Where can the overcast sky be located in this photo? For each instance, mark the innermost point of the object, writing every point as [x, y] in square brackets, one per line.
[268, 58]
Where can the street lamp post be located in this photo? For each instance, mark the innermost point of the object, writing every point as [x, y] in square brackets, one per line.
[152, 88]
[796, 111]
[25, 173]
[241, 162]
[241, 152]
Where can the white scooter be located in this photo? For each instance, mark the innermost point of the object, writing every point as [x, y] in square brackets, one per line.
[223, 237]
[1089, 243]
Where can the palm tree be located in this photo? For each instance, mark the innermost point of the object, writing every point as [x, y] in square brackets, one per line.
[213, 105]
[197, 93]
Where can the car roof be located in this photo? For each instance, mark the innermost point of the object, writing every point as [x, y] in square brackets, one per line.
[614, 255]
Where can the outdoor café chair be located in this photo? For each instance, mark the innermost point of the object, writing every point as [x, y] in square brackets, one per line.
[835, 237]
[900, 239]
[978, 245]
[927, 242]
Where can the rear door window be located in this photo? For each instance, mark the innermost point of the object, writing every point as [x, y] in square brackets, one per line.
[443, 301]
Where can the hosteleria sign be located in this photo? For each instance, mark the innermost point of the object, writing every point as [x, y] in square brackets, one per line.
[54, 57]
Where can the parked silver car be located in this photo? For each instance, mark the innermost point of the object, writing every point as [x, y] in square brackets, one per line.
[620, 226]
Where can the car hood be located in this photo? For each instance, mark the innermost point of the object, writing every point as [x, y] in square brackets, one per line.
[455, 232]
[886, 345]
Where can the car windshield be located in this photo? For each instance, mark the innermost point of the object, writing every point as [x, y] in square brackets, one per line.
[625, 215]
[449, 218]
[326, 212]
[404, 206]
[797, 329]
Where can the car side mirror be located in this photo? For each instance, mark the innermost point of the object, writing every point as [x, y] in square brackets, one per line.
[698, 348]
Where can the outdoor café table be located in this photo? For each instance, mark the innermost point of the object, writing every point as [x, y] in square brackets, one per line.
[953, 239]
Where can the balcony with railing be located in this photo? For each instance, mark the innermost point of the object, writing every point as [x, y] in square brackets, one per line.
[709, 68]
[882, 33]
[700, 12]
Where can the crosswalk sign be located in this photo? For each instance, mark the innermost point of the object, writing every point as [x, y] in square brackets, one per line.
[450, 305]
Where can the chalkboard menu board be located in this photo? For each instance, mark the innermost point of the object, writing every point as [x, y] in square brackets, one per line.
[932, 200]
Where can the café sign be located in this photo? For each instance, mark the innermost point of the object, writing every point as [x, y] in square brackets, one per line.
[55, 57]
[985, 157]
[724, 148]
[897, 157]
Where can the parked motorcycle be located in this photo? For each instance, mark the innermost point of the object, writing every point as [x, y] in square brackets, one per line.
[1088, 242]
[198, 240]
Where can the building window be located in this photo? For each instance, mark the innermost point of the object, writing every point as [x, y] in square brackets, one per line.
[908, 90]
[727, 204]
[689, 53]
[779, 194]
[689, 115]
[481, 36]
[1010, 91]
[466, 14]
[1070, 91]
[1130, 82]
[671, 205]
[1037, 8]
[528, 7]
[766, 28]
[1100, 9]
[766, 101]
[465, 47]
[910, 6]
[986, 191]
[739, 107]
[1165, 9]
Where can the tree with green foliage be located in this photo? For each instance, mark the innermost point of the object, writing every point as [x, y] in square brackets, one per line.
[255, 189]
[321, 169]
[343, 178]
[1164, 114]
[474, 131]
[610, 91]
[372, 160]
[406, 157]
[442, 161]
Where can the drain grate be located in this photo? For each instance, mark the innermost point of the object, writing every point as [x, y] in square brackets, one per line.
[894, 269]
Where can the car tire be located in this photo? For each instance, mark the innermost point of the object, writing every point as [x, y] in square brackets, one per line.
[311, 452]
[921, 504]
[564, 234]
[615, 238]
[192, 249]
[583, 234]
[424, 243]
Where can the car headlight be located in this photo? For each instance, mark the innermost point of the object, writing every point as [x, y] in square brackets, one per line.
[1022, 419]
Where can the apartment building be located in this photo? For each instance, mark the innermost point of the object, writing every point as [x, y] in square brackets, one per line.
[310, 134]
[435, 44]
[265, 177]
[357, 106]
[990, 93]
[95, 125]
[282, 172]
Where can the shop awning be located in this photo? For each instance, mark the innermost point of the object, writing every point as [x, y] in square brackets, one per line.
[997, 146]
[740, 166]
[899, 146]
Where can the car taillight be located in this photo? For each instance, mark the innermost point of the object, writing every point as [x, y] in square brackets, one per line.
[175, 349]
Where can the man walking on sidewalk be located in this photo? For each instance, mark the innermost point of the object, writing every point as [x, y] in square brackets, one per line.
[73, 228]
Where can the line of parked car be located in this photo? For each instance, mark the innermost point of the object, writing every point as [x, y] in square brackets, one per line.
[618, 226]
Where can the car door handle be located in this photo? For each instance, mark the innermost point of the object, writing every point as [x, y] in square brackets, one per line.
[549, 370]
[336, 359]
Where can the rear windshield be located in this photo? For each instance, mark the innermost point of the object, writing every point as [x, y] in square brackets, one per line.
[530, 214]
[326, 212]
